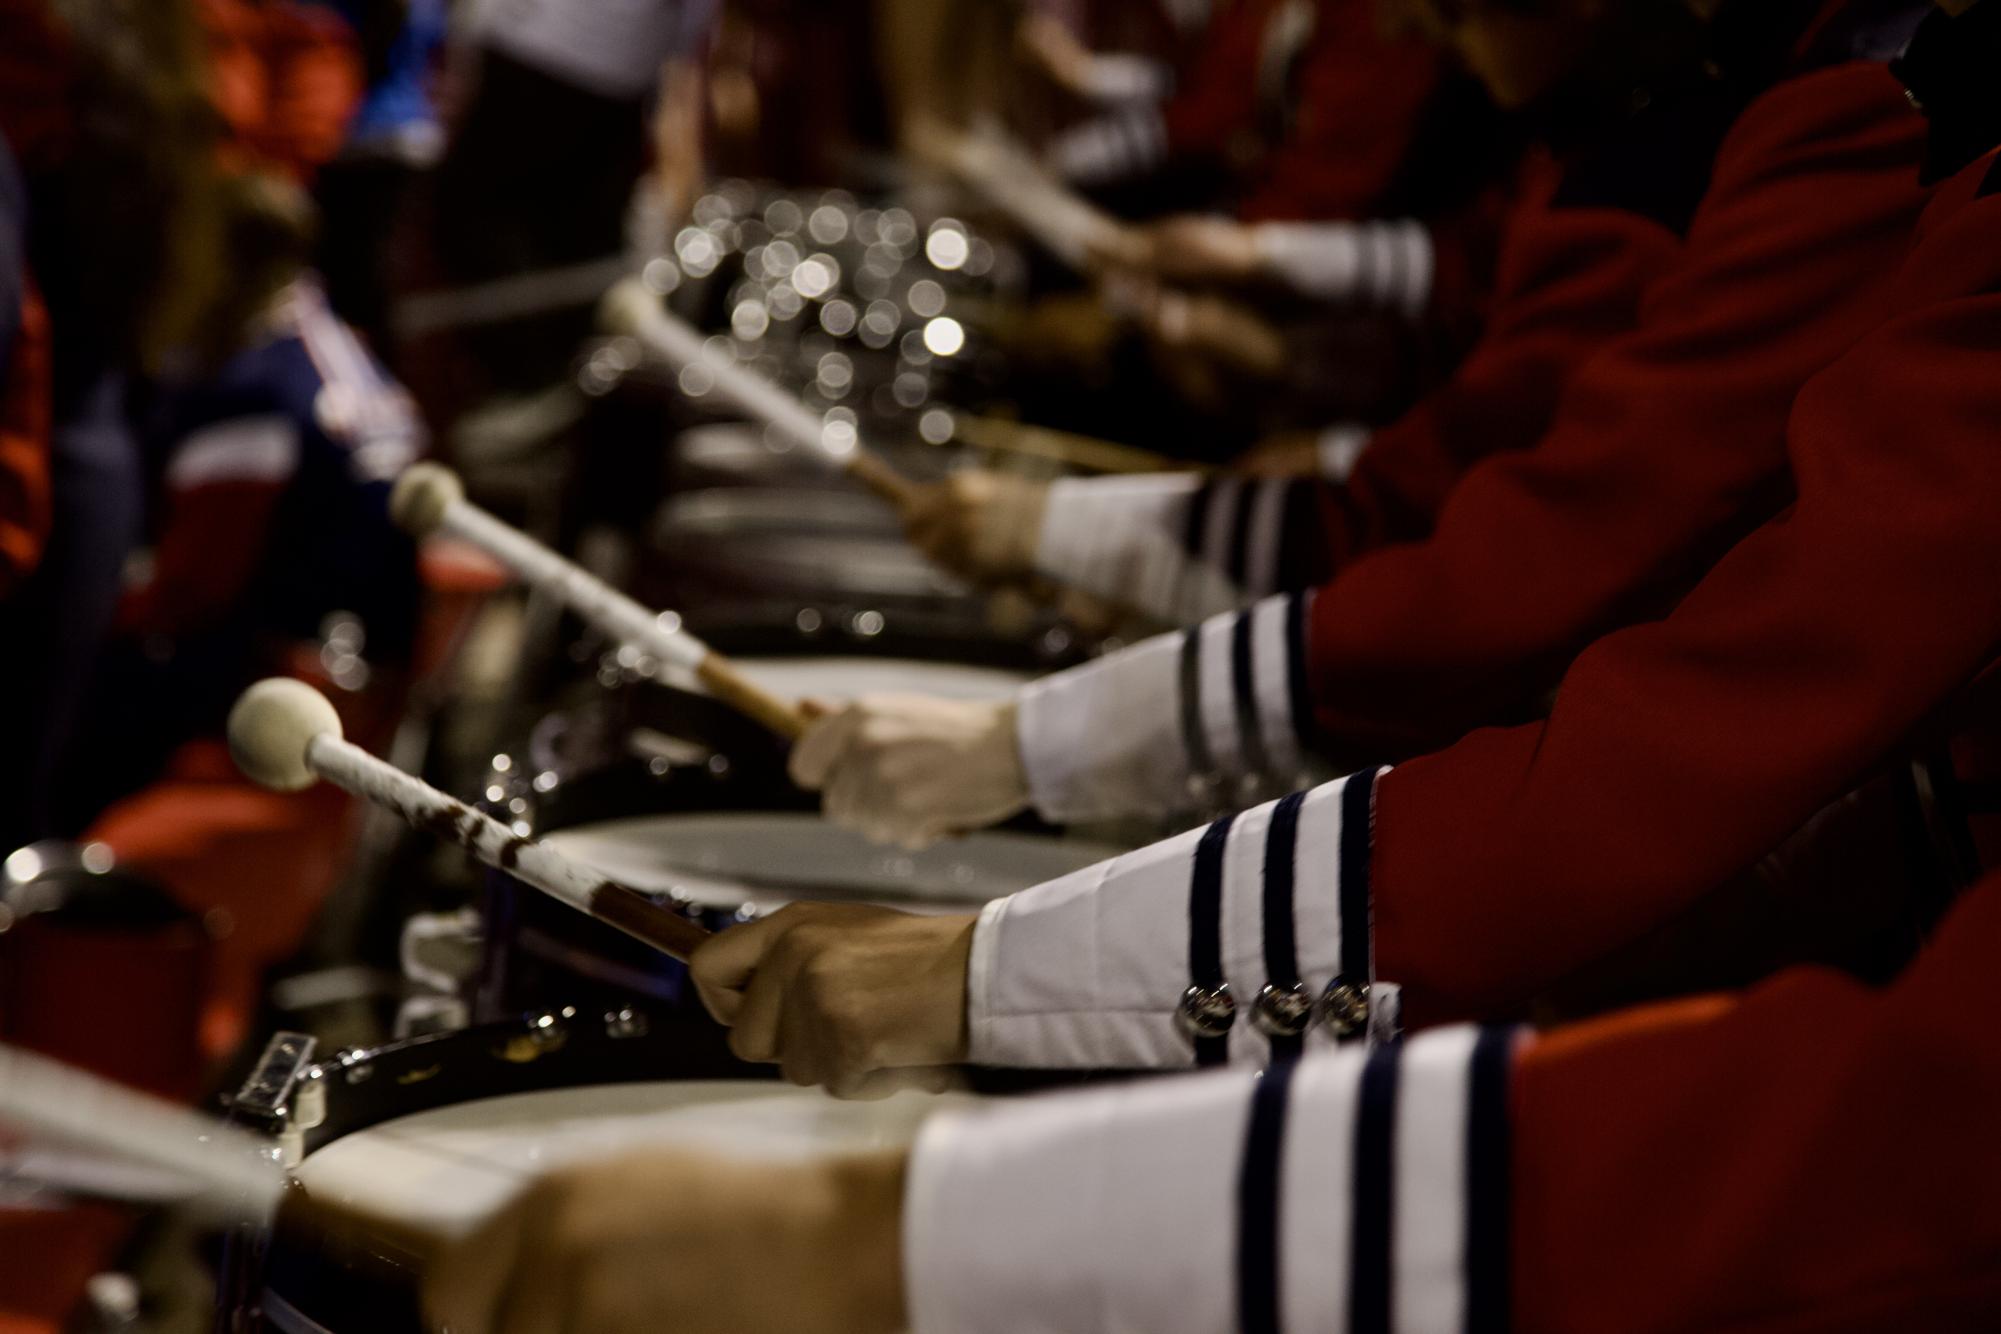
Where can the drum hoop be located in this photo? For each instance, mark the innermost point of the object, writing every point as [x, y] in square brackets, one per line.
[609, 971]
[287, 1318]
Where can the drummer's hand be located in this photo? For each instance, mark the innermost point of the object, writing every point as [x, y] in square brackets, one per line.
[1287, 454]
[1200, 248]
[696, 1245]
[984, 526]
[862, 1000]
[910, 769]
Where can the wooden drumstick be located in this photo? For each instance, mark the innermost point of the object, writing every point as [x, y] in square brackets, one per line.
[1016, 184]
[430, 499]
[1081, 453]
[286, 736]
[222, 1167]
[632, 309]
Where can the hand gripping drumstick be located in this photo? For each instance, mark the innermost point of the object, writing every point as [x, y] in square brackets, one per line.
[226, 1169]
[285, 736]
[631, 308]
[430, 499]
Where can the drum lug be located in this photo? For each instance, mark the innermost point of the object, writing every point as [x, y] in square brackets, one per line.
[308, 1112]
[265, 1098]
[625, 1023]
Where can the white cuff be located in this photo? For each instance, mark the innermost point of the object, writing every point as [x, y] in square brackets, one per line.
[1111, 148]
[1115, 78]
[1092, 971]
[1216, 714]
[1339, 448]
[1122, 539]
[1383, 264]
[1347, 1190]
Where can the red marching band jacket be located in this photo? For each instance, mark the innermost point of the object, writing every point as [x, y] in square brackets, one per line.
[1619, 423]
[1813, 1155]
[1306, 105]
[1814, 653]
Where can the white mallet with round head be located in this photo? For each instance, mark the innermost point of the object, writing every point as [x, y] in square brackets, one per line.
[430, 499]
[285, 735]
[632, 308]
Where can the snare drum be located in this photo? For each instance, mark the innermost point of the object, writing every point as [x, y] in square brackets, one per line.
[758, 571]
[673, 794]
[728, 867]
[440, 1133]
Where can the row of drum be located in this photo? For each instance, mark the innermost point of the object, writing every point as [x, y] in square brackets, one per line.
[583, 1042]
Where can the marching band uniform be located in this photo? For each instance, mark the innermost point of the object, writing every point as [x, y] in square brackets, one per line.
[1826, 646]
[1666, 446]
[1744, 1163]
[1218, 99]
[1812, 1156]
[1304, 105]
[1804, 207]
[1574, 263]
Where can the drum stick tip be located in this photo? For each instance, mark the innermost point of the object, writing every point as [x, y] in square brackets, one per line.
[627, 306]
[423, 495]
[271, 727]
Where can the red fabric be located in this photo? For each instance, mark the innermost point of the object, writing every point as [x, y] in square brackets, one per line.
[256, 865]
[24, 447]
[210, 546]
[123, 1004]
[46, 1258]
[1360, 103]
[37, 83]
[1356, 99]
[286, 77]
[1678, 752]
[1570, 280]
[1666, 445]
[1216, 107]
[1813, 1157]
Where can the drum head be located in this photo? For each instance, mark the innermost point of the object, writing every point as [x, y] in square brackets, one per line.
[448, 1170]
[838, 679]
[761, 862]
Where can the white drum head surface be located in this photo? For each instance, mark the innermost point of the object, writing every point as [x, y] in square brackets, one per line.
[840, 679]
[765, 861]
[449, 1170]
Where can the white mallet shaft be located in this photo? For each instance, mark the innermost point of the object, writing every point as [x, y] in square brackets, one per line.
[284, 735]
[1004, 174]
[224, 1168]
[633, 309]
[429, 498]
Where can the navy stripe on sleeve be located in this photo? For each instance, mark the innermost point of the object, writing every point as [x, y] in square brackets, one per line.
[1260, 1262]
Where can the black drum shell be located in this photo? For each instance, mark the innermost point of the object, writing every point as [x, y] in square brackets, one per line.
[368, 1285]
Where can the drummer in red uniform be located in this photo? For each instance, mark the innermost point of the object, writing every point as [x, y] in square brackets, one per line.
[1661, 449]
[1812, 1155]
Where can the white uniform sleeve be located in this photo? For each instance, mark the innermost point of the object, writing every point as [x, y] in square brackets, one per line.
[1117, 78]
[1118, 146]
[1211, 716]
[1229, 943]
[1388, 265]
[1176, 546]
[1349, 1190]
